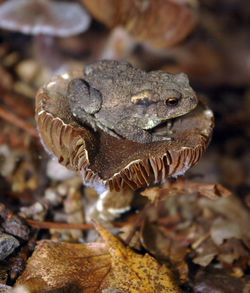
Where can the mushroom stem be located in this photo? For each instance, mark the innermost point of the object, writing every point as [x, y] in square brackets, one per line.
[46, 51]
[111, 204]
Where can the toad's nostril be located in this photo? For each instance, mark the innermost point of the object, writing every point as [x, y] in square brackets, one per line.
[193, 99]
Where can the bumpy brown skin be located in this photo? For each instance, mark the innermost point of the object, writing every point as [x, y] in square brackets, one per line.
[128, 102]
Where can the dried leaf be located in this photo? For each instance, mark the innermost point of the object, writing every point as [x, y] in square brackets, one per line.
[205, 253]
[233, 220]
[165, 247]
[232, 250]
[93, 268]
[80, 267]
[217, 281]
[180, 186]
[134, 272]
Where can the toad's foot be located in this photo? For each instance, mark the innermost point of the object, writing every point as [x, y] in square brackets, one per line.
[160, 138]
[163, 133]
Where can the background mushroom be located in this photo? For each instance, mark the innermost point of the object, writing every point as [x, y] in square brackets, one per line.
[106, 161]
[36, 17]
[44, 19]
[160, 23]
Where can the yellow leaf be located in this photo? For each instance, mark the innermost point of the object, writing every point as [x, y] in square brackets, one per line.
[96, 267]
[134, 272]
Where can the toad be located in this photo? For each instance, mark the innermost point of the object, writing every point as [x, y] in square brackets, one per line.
[126, 102]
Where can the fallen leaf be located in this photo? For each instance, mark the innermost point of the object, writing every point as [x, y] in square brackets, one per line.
[196, 229]
[164, 247]
[94, 267]
[134, 272]
[180, 186]
[205, 253]
[217, 281]
[58, 265]
[232, 220]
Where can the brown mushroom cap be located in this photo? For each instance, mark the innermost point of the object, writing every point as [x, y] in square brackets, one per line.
[117, 162]
[44, 17]
[162, 23]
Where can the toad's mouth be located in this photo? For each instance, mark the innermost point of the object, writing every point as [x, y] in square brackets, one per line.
[166, 128]
[163, 129]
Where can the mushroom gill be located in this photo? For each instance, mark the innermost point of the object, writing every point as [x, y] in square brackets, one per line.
[117, 163]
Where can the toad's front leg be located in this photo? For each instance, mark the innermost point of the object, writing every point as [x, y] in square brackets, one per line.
[85, 119]
[84, 101]
[132, 132]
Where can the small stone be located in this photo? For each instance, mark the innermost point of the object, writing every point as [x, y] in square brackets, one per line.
[15, 226]
[8, 244]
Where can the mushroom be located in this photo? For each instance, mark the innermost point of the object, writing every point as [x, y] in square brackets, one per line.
[44, 19]
[117, 163]
[36, 17]
[161, 23]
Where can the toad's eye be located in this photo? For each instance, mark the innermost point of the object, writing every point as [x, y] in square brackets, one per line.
[171, 102]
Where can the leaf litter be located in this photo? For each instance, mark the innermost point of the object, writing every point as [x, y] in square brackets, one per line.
[205, 243]
[95, 267]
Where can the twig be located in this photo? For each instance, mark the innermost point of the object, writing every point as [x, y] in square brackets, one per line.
[12, 118]
[57, 225]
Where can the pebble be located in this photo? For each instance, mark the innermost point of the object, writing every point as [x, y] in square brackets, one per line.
[8, 244]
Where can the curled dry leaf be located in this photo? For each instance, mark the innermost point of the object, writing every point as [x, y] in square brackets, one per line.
[180, 186]
[201, 230]
[232, 250]
[233, 221]
[94, 267]
[206, 252]
[161, 23]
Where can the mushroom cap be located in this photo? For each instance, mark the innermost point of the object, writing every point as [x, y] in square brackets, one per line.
[111, 161]
[44, 17]
[161, 23]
